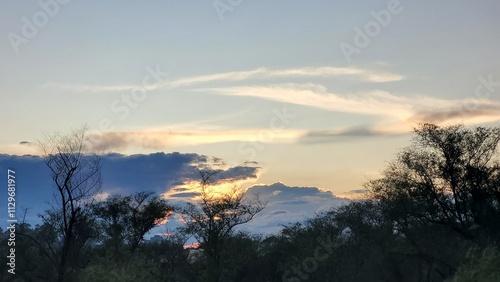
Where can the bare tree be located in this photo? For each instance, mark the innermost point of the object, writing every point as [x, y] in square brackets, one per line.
[77, 179]
[214, 218]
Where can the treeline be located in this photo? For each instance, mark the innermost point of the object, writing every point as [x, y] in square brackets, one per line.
[434, 215]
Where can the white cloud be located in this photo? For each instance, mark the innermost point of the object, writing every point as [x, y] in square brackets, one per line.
[316, 96]
[161, 139]
[260, 73]
[286, 204]
[395, 114]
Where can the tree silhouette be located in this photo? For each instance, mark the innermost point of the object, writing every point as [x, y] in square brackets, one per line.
[213, 219]
[77, 179]
[126, 219]
[450, 176]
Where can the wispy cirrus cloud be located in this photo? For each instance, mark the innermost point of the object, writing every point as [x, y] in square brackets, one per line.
[362, 74]
[316, 96]
[393, 114]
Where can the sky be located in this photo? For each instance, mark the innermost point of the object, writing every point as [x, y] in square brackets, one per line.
[316, 94]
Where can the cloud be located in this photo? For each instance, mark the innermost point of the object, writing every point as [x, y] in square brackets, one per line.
[316, 96]
[89, 88]
[470, 110]
[171, 173]
[347, 134]
[259, 73]
[393, 114]
[379, 103]
[159, 172]
[286, 204]
[481, 113]
[188, 195]
[160, 139]
[236, 173]
[357, 194]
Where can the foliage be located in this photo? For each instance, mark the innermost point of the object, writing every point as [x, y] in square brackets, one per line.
[127, 268]
[480, 266]
[213, 219]
[126, 219]
[451, 177]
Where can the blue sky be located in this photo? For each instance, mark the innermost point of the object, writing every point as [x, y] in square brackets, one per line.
[263, 81]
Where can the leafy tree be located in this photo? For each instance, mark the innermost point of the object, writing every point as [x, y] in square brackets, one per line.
[126, 219]
[171, 257]
[129, 268]
[213, 219]
[480, 266]
[450, 176]
[31, 263]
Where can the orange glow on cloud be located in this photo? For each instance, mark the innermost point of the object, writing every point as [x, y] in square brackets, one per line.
[159, 139]
[195, 245]
[215, 190]
[164, 220]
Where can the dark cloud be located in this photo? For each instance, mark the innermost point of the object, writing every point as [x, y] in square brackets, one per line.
[331, 136]
[237, 173]
[184, 195]
[278, 212]
[463, 111]
[281, 192]
[229, 175]
[33, 185]
[156, 172]
[180, 189]
[111, 141]
[159, 172]
[357, 191]
[466, 110]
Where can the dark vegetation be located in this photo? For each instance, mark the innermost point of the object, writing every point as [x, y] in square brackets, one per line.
[433, 216]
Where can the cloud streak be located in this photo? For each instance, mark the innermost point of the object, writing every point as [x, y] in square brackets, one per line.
[164, 138]
[394, 114]
[257, 74]
[316, 96]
